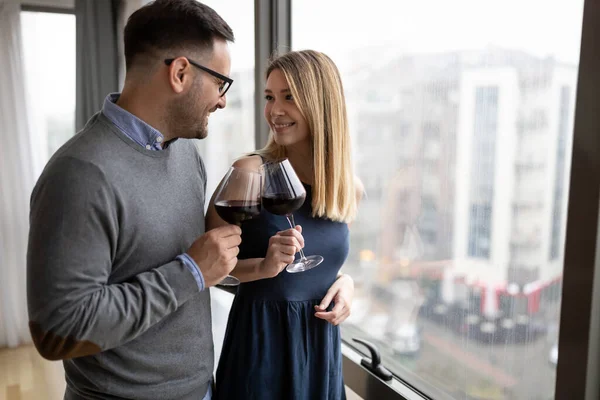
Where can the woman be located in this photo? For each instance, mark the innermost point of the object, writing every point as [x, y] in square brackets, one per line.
[283, 338]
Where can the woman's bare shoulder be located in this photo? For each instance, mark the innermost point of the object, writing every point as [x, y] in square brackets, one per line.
[251, 162]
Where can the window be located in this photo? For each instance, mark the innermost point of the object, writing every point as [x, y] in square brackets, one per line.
[480, 221]
[50, 80]
[482, 167]
[231, 131]
[450, 252]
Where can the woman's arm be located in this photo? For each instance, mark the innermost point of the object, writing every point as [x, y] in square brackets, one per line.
[341, 293]
[342, 290]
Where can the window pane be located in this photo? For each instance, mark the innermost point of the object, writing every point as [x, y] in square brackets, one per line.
[462, 124]
[50, 79]
[231, 131]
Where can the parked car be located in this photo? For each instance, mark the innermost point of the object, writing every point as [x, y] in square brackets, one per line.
[405, 340]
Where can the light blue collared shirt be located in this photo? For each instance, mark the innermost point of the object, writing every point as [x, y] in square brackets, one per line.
[148, 137]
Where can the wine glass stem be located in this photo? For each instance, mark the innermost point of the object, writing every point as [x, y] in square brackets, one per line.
[290, 218]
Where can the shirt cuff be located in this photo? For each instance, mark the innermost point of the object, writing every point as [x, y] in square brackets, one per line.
[194, 269]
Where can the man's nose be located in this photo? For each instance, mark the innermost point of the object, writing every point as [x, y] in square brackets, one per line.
[222, 101]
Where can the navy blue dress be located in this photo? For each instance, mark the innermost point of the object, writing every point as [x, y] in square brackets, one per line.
[274, 347]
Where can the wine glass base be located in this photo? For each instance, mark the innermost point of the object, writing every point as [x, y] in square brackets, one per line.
[304, 264]
[229, 281]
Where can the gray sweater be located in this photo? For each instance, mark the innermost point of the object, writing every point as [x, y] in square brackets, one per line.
[105, 293]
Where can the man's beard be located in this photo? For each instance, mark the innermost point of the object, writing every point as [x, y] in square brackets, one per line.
[199, 130]
[183, 118]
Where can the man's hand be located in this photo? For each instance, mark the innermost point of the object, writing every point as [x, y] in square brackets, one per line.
[341, 293]
[282, 248]
[216, 252]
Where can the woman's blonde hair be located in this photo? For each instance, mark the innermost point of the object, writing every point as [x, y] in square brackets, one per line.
[316, 86]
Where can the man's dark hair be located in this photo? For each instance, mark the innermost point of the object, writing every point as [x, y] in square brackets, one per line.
[173, 25]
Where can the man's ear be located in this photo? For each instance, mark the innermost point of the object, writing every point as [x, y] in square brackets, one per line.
[179, 73]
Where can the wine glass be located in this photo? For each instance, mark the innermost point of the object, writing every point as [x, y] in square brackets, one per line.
[282, 194]
[237, 199]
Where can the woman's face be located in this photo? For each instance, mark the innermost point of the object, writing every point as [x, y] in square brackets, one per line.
[283, 116]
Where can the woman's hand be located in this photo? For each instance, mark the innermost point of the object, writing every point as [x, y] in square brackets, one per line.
[283, 247]
[341, 293]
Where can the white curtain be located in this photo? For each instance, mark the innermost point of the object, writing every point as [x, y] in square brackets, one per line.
[16, 179]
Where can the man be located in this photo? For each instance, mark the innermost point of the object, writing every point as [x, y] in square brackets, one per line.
[118, 262]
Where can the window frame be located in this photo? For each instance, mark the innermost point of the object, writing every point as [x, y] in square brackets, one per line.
[272, 32]
[577, 371]
[47, 9]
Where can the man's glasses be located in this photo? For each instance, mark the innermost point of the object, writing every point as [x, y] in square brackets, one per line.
[225, 84]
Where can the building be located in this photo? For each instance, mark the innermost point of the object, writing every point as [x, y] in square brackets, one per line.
[465, 158]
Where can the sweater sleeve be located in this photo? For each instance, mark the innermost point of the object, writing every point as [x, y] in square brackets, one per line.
[73, 309]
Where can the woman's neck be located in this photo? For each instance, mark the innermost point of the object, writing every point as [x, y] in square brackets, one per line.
[301, 158]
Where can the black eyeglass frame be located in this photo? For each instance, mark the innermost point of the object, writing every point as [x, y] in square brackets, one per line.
[228, 81]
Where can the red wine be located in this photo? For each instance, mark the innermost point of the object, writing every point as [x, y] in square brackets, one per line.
[237, 211]
[281, 205]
